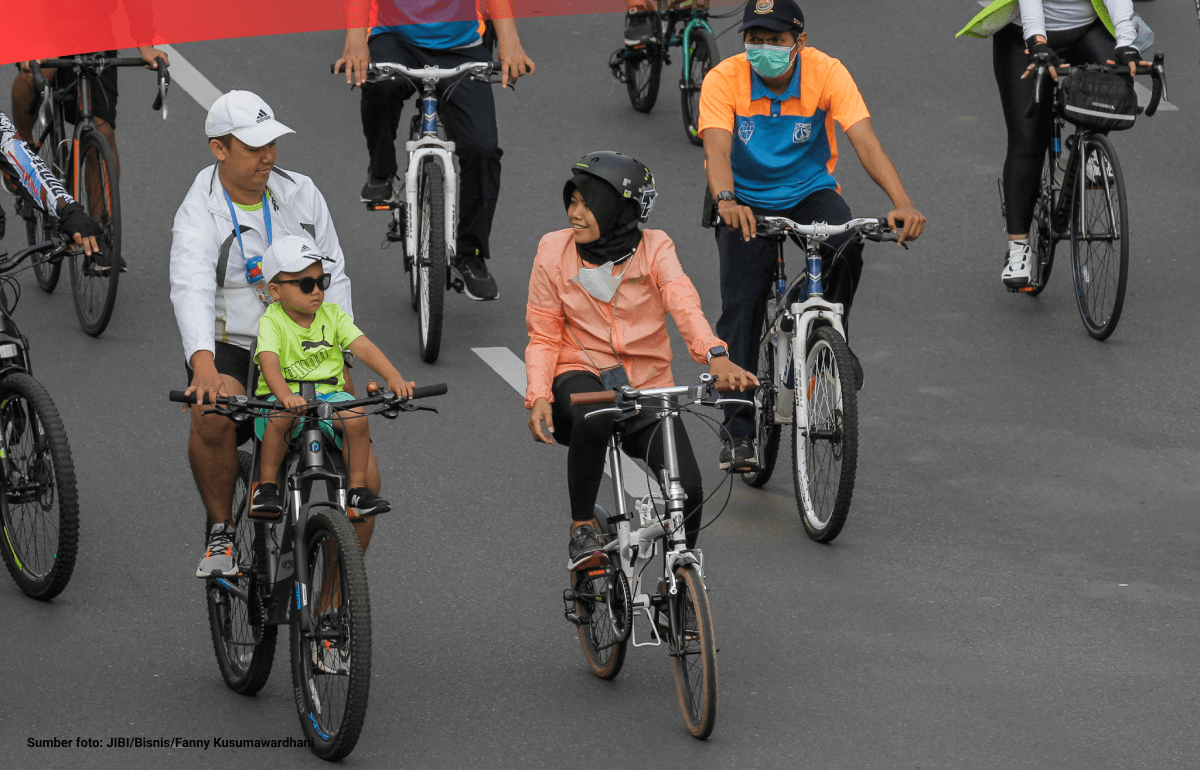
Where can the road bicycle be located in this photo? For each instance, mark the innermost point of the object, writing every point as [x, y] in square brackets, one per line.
[1082, 199]
[39, 504]
[425, 211]
[83, 154]
[640, 67]
[606, 604]
[304, 568]
[804, 340]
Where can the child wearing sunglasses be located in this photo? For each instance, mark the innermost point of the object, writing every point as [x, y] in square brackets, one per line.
[301, 337]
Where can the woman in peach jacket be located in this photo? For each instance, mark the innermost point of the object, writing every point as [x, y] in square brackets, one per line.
[598, 299]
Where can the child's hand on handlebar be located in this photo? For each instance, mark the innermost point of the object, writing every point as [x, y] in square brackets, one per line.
[293, 402]
[400, 386]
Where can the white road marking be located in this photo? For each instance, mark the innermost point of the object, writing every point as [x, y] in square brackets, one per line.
[190, 79]
[1143, 97]
[512, 370]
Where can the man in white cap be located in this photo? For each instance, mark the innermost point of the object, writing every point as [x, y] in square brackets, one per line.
[233, 211]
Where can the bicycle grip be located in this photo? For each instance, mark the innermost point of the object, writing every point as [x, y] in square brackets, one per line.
[425, 391]
[601, 397]
[179, 397]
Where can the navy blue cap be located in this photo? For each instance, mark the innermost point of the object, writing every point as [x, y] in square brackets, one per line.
[776, 15]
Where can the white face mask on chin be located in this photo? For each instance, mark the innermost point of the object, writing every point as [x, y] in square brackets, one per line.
[600, 282]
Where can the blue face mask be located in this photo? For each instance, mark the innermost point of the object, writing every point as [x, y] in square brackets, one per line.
[769, 61]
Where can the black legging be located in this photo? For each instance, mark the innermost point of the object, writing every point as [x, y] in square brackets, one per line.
[587, 442]
[1029, 138]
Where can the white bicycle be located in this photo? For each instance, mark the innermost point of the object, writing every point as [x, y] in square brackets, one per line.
[606, 604]
[425, 209]
[804, 340]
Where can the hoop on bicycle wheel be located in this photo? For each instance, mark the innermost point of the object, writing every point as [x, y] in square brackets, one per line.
[1099, 237]
[700, 57]
[431, 268]
[767, 431]
[94, 277]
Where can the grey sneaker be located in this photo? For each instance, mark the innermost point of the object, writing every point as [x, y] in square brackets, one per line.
[585, 548]
[639, 28]
[219, 559]
[740, 454]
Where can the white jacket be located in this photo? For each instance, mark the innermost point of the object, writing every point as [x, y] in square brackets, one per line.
[212, 299]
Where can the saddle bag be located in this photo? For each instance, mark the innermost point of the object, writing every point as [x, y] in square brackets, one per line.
[1099, 101]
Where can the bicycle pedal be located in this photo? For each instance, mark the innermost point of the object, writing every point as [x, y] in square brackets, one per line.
[574, 619]
[382, 205]
[457, 284]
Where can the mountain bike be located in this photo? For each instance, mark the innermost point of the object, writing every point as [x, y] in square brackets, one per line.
[83, 154]
[1082, 199]
[305, 569]
[804, 340]
[640, 67]
[39, 504]
[425, 212]
[605, 604]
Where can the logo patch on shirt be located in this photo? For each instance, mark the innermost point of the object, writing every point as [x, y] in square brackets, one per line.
[745, 130]
[802, 133]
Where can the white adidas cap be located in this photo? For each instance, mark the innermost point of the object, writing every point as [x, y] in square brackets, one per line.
[290, 254]
[246, 116]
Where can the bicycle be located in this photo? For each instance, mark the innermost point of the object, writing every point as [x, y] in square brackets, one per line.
[304, 568]
[39, 503]
[604, 603]
[83, 154]
[640, 67]
[1083, 200]
[424, 216]
[804, 340]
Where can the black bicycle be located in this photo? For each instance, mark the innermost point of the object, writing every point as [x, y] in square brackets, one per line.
[304, 568]
[1083, 200]
[39, 504]
[640, 67]
[84, 163]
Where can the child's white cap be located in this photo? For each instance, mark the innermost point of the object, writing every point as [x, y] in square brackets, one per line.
[290, 254]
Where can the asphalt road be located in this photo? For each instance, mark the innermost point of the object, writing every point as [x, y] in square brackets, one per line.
[1016, 585]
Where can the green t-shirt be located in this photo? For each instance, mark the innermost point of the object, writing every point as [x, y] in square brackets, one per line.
[314, 353]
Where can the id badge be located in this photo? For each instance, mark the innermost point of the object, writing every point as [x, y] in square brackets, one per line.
[613, 378]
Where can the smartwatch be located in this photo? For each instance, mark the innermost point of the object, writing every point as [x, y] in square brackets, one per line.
[725, 195]
[718, 351]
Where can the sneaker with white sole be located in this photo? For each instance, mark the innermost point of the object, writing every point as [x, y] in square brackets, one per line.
[219, 558]
[1019, 266]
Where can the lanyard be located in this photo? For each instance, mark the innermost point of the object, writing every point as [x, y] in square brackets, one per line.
[255, 280]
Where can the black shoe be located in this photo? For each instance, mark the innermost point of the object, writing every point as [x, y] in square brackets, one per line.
[858, 370]
[266, 500]
[639, 28]
[740, 454]
[365, 503]
[3, 224]
[377, 190]
[478, 283]
[585, 548]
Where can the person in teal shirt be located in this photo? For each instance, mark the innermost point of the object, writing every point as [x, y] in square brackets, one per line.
[301, 337]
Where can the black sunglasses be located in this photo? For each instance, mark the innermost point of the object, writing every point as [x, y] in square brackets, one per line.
[307, 285]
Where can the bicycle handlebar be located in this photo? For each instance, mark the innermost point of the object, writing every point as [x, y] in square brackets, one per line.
[1155, 70]
[388, 70]
[707, 383]
[237, 404]
[57, 248]
[872, 228]
[99, 62]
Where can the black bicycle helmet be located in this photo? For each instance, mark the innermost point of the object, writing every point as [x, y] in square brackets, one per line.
[628, 176]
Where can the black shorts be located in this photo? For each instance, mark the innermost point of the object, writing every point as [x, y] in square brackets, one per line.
[232, 361]
[104, 94]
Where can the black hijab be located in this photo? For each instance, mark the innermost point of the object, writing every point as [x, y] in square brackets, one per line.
[616, 216]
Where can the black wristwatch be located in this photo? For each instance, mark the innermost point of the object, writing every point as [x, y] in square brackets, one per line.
[717, 352]
[725, 195]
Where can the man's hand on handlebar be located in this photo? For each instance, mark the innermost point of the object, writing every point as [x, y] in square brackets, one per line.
[906, 221]
[74, 223]
[206, 381]
[540, 413]
[150, 53]
[355, 57]
[738, 217]
[731, 375]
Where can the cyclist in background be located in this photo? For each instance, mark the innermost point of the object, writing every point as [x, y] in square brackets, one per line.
[37, 184]
[1075, 31]
[418, 33]
[580, 342]
[766, 117]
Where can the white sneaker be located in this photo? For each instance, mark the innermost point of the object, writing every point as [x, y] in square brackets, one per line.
[1019, 266]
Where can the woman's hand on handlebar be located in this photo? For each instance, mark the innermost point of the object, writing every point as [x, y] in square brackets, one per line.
[738, 217]
[1131, 56]
[540, 413]
[730, 374]
[906, 221]
[356, 57]
[1040, 46]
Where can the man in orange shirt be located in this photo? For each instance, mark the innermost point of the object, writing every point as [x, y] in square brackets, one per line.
[767, 119]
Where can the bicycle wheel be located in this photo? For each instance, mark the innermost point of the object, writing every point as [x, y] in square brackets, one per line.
[1100, 238]
[602, 637]
[1043, 235]
[702, 58]
[414, 289]
[243, 642]
[40, 226]
[331, 665]
[767, 431]
[643, 71]
[39, 505]
[694, 652]
[431, 261]
[825, 451]
[94, 279]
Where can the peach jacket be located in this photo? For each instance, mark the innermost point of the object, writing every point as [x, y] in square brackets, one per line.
[561, 316]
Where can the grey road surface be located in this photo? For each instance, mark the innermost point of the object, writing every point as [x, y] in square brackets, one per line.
[1016, 585]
